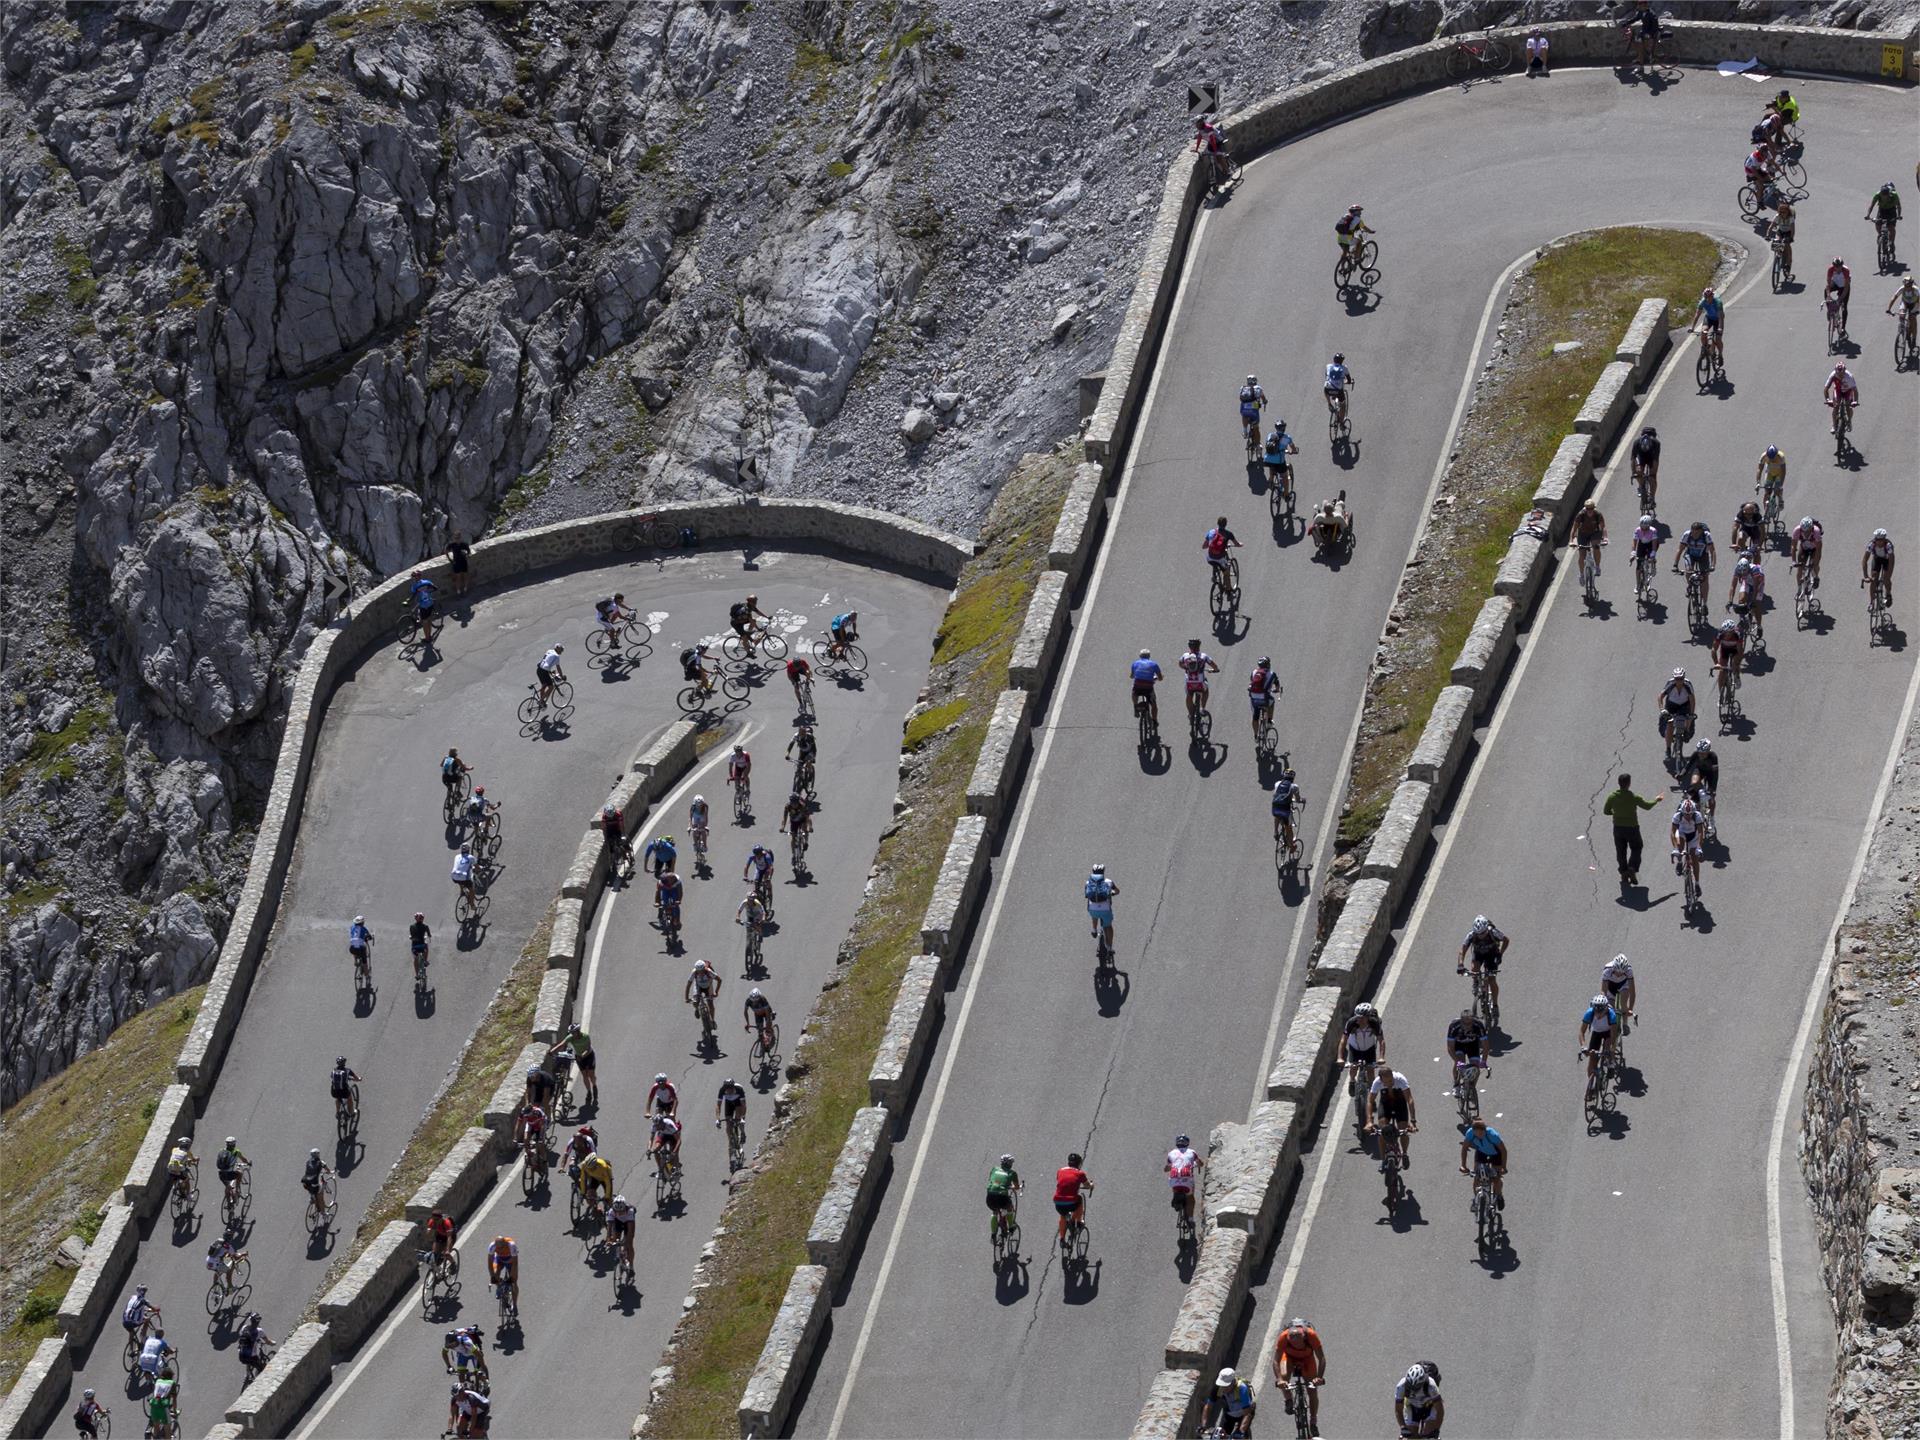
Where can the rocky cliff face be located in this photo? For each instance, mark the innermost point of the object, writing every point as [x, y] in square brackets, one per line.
[294, 292]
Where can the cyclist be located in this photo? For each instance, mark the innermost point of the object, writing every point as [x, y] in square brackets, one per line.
[1298, 1351]
[1363, 1041]
[548, 673]
[1003, 1188]
[759, 1015]
[1747, 595]
[759, 869]
[1489, 948]
[1710, 318]
[1329, 524]
[667, 895]
[1749, 525]
[741, 615]
[740, 770]
[1099, 891]
[1841, 389]
[157, 1352]
[1839, 286]
[503, 1264]
[1780, 233]
[479, 808]
[452, 768]
[663, 1096]
[1883, 208]
[222, 1257]
[702, 979]
[1263, 688]
[1696, 551]
[1273, 454]
[581, 1044]
[730, 1104]
[795, 816]
[1907, 300]
[1770, 475]
[468, 1412]
[622, 1221]
[751, 913]
[1145, 673]
[1677, 705]
[340, 1082]
[694, 668]
[1071, 1186]
[1728, 649]
[418, 934]
[842, 631]
[1467, 1046]
[1786, 107]
[441, 1234]
[230, 1164]
[1210, 138]
[1646, 462]
[86, 1418]
[315, 1172]
[1684, 833]
[1286, 800]
[253, 1341]
[1758, 172]
[139, 1311]
[1252, 400]
[1390, 1097]
[359, 938]
[612, 613]
[1804, 542]
[697, 823]
[463, 873]
[581, 1148]
[465, 1350]
[1598, 1024]
[1642, 30]
[799, 669]
[540, 1085]
[803, 740]
[1619, 987]
[163, 1407]
[1339, 381]
[1182, 1169]
[421, 595]
[1482, 1144]
[1589, 534]
[1218, 541]
[613, 836]
[1229, 1407]
[1876, 561]
[660, 854]
[1703, 781]
[1197, 664]
[1348, 230]
[529, 1131]
[595, 1178]
[1646, 543]
[1537, 51]
[180, 1162]
[666, 1140]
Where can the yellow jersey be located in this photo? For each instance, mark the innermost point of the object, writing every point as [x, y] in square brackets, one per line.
[596, 1169]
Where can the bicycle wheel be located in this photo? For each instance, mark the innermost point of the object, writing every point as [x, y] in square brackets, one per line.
[854, 660]
[1703, 368]
[1494, 56]
[1793, 173]
[734, 649]
[562, 696]
[1459, 63]
[1749, 200]
[1902, 350]
[774, 646]
[529, 710]
[599, 642]
[692, 699]
[638, 635]
[1366, 253]
[1342, 271]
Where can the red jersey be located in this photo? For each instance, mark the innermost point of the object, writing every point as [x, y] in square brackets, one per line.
[1067, 1182]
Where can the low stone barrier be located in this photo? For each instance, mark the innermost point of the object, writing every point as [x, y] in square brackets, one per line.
[787, 1354]
[1253, 1170]
[1484, 654]
[662, 763]
[1210, 1305]
[1083, 517]
[842, 1213]
[459, 1180]
[1002, 753]
[588, 873]
[1529, 557]
[1565, 483]
[145, 1187]
[1443, 743]
[38, 1392]
[227, 1431]
[1037, 647]
[904, 1044]
[1351, 953]
[1172, 1408]
[1401, 839]
[503, 1109]
[568, 934]
[962, 871]
[555, 1004]
[299, 1370]
[1606, 404]
[1646, 340]
[1301, 1067]
[385, 1269]
[95, 1291]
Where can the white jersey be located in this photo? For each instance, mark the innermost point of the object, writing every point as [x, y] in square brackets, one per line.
[1687, 825]
[550, 660]
[1398, 1082]
[702, 980]
[463, 867]
[1182, 1167]
[1337, 376]
[1617, 975]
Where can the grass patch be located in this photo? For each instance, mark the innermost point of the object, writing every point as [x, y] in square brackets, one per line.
[719, 1342]
[68, 1145]
[495, 1044]
[53, 756]
[300, 59]
[82, 287]
[527, 489]
[839, 169]
[1586, 290]
[931, 721]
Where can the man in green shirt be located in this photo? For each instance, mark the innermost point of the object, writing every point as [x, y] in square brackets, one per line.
[1623, 807]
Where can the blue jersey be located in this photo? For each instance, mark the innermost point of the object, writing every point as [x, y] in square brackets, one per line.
[840, 622]
[358, 936]
[1601, 1018]
[422, 592]
[1337, 376]
[670, 889]
[1696, 544]
[1710, 310]
[1487, 1144]
[1277, 444]
[1099, 890]
[1144, 672]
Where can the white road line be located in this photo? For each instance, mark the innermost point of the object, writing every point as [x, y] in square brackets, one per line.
[1029, 790]
[1796, 1062]
[1339, 785]
[503, 1184]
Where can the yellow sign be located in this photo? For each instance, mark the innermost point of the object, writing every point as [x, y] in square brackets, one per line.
[1893, 61]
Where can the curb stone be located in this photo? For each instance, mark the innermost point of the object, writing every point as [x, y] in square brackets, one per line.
[787, 1353]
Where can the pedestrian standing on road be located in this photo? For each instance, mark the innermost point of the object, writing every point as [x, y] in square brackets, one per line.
[1623, 807]
[457, 551]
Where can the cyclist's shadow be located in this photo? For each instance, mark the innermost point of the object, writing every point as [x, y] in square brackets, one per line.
[1205, 755]
[1111, 987]
[1404, 1216]
[1011, 1282]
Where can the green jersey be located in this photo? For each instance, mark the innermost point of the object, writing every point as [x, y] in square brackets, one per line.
[160, 1405]
[1001, 1181]
[1886, 204]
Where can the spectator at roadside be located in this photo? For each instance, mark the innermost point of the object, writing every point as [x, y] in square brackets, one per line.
[1537, 51]
[1623, 807]
[457, 551]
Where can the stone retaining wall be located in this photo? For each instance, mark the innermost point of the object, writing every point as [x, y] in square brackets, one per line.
[956, 890]
[384, 1270]
[1037, 647]
[34, 1403]
[787, 1354]
[1002, 753]
[902, 1048]
[145, 1187]
[95, 1291]
[300, 1369]
[842, 1213]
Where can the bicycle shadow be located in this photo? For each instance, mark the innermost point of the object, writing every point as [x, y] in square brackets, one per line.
[1155, 758]
[1012, 1280]
[1498, 1257]
[1079, 1282]
[1359, 300]
[1891, 636]
[1205, 756]
[1230, 627]
[1111, 987]
[1404, 1217]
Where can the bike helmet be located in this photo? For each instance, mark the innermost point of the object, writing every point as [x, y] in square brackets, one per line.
[1838, 261]
[1649, 430]
[1339, 357]
[1076, 1159]
[1415, 1378]
[1729, 625]
[1839, 364]
[231, 1142]
[340, 1060]
[314, 1154]
[1194, 644]
[1646, 519]
[559, 649]
[1298, 1322]
[661, 1078]
[86, 1394]
[753, 599]
[1466, 1012]
[1364, 1008]
[754, 994]
[1698, 525]
[702, 965]
[1600, 1000]
[1481, 924]
[1100, 869]
[727, 1083]
[480, 790]
[1181, 1142]
[1744, 566]
[1253, 379]
[1679, 674]
[1703, 745]
[1784, 95]
[619, 1200]
[1619, 960]
[608, 811]
[699, 799]
[184, 1140]
[1880, 534]
[466, 849]
[1707, 294]
[140, 1291]
[1773, 452]
[213, 1249]
[1226, 1377]
[739, 749]
[1288, 772]
[359, 919]
[1266, 661]
[618, 597]
[417, 574]
[1146, 654]
[1805, 521]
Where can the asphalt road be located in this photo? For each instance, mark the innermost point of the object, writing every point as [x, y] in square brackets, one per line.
[372, 842]
[1037, 1058]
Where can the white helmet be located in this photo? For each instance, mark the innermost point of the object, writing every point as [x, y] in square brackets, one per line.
[1619, 960]
[1226, 1377]
[1600, 1001]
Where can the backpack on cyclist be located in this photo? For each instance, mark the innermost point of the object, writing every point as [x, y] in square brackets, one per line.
[690, 663]
[1099, 889]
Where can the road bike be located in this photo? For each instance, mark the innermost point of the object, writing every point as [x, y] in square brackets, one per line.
[645, 531]
[1466, 1089]
[1481, 1203]
[138, 1336]
[558, 703]
[1199, 718]
[1690, 881]
[415, 632]
[363, 968]
[1003, 1230]
[841, 655]
[1603, 1087]
[703, 1012]
[508, 1312]
[1226, 173]
[534, 1173]
[1297, 1385]
[1250, 433]
[1711, 365]
[1904, 348]
[1782, 263]
[1729, 692]
[631, 634]
[736, 1143]
[1266, 739]
[1339, 414]
[1804, 603]
[803, 778]
[752, 962]
[236, 1199]
[1484, 1005]
[1148, 722]
[1073, 1243]
[764, 1056]
[458, 789]
[1679, 731]
[1644, 569]
[1883, 244]
[1186, 1227]
[183, 1193]
[322, 1206]
[1223, 592]
[1280, 495]
[1772, 504]
[440, 1277]
[1392, 1162]
[469, 905]
[1287, 848]
[1589, 559]
[420, 970]
[1878, 602]
[1751, 634]
[346, 1110]
[763, 890]
[803, 694]
[759, 641]
[1836, 327]
[1842, 423]
[1644, 484]
[798, 845]
[1469, 57]
[1356, 266]
[229, 1283]
[742, 799]
[666, 1179]
[1696, 597]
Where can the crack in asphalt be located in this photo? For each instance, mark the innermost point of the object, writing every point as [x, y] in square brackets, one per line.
[1593, 800]
[1053, 1246]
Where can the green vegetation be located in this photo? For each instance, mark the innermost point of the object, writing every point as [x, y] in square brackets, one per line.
[931, 721]
[767, 1221]
[814, 66]
[202, 102]
[37, 306]
[514, 105]
[617, 217]
[348, 23]
[445, 374]
[29, 896]
[68, 1145]
[82, 287]
[1586, 290]
[527, 489]
[839, 169]
[906, 40]
[54, 757]
[653, 158]
[300, 59]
